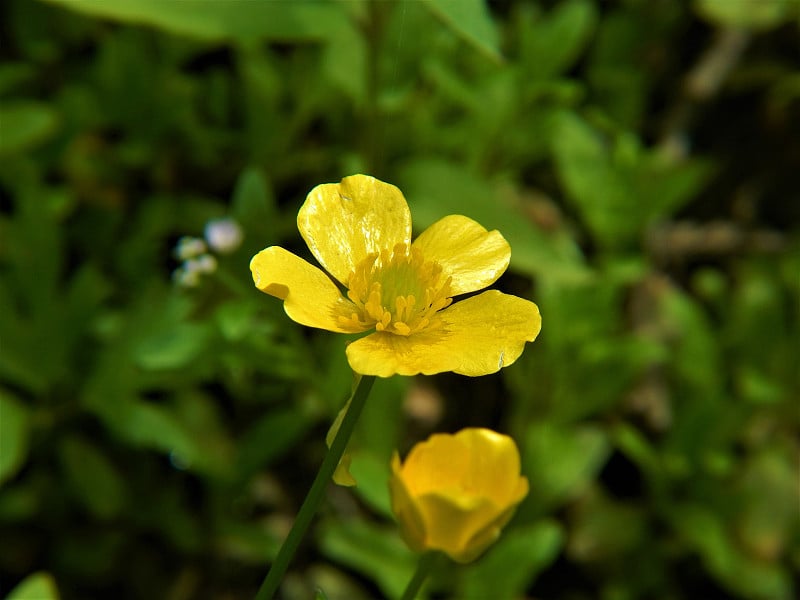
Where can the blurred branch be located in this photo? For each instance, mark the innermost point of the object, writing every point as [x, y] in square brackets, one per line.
[701, 84]
[675, 242]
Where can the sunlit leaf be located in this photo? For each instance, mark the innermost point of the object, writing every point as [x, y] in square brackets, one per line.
[750, 14]
[39, 586]
[221, 21]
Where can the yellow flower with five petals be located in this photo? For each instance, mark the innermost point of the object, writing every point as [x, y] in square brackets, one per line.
[360, 232]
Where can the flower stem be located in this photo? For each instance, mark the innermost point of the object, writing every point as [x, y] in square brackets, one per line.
[424, 567]
[315, 494]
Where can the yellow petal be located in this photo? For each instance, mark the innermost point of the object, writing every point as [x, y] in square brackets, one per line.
[412, 527]
[440, 462]
[487, 536]
[478, 336]
[494, 463]
[344, 222]
[309, 296]
[472, 256]
[452, 521]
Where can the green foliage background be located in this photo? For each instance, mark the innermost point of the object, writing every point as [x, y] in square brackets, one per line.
[641, 157]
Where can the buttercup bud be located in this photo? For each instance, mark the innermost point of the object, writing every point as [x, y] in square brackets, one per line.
[455, 493]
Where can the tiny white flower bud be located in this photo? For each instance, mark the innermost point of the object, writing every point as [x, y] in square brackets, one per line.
[189, 247]
[223, 235]
[203, 264]
[185, 277]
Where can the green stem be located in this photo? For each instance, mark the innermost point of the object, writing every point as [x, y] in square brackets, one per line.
[424, 567]
[316, 493]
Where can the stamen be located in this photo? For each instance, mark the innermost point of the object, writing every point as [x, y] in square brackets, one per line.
[386, 288]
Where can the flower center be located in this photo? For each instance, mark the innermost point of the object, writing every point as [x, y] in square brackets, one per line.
[398, 291]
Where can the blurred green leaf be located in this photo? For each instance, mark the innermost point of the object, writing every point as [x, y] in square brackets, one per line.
[236, 319]
[758, 387]
[345, 58]
[639, 450]
[269, 437]
[587, 347]
[270, 131]
[35, 258]
[202, 417]
[604, 529]
[92, 477]
[253, 204]
[172, 348]
[767, 484]
[161, 333]
[381, 422]
[470, 19]
[250, 544]
[619, 73]
[374, 551]
[436, 188]
[561, 461]
[666, 187]
[39, 586]
[20, 502]
[705, 532]
[696, 360]
[372, 474]
[13, 75]
[511, 565]
[14, 435]
[553, 44]
[25, 124]
[319, 594]
[750, 14]
[161, 428]
[222, 21]
[598, 188]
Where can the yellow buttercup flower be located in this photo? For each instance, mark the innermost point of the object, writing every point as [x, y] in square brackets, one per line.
[454, 493]
[360, 232]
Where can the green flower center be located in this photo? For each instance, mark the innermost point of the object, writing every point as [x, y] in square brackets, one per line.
[397, 291]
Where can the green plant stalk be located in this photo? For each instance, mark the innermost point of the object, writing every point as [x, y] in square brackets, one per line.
[273, 579]
[424, 567]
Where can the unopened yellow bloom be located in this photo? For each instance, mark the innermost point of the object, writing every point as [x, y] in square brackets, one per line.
[360, 232]
[454, 493]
